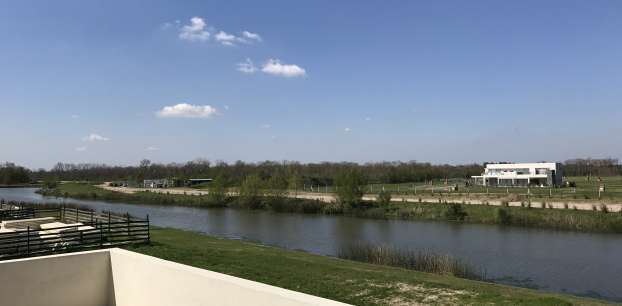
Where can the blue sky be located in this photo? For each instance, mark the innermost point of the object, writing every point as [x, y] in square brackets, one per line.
[439, 81]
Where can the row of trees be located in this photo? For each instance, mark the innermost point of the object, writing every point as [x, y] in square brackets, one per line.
[292, 174]
[234, 173]
[11, 174]
[592, 167]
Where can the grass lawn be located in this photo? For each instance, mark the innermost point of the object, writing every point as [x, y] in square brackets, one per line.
[341, 280]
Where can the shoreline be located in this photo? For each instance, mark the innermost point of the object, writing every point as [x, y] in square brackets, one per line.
[347, 281]
[596, 221]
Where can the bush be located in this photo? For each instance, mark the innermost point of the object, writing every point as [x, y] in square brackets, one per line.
[251, 192]
[383, 199]
[455, 212]
[349, 193]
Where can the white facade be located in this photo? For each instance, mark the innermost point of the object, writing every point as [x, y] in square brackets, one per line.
[521, 174]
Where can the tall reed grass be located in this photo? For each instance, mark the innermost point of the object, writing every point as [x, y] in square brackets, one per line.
[424, 261]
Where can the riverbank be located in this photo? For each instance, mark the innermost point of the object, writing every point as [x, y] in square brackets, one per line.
[525, 215]
[341, 280]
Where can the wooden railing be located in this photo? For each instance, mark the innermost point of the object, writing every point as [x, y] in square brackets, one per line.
[97, 230]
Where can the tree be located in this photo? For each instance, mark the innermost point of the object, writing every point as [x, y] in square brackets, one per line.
[349, 192]
[217, 191]
[383, 199]
[12, 174]
[295, 182]
[251, 191]
[277, 186]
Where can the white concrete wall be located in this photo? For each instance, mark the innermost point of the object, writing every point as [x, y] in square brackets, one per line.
[144, 280]
[119, 277]
[79, 279]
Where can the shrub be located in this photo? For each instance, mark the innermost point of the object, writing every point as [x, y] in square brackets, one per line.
[348, 185]
[455, 212]
[383, 199]
[250, 192]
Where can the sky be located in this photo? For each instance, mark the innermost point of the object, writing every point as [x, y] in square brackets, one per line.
[436, 81]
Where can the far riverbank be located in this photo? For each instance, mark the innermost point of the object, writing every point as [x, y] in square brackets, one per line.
[525, 215]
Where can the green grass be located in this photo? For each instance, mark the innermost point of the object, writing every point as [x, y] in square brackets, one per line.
[89, 192]
[347, 281]
[559, 219]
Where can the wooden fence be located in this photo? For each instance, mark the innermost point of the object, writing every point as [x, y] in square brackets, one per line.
[96, 230]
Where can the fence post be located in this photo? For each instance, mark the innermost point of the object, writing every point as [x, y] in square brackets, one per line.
[148, 230]
[108, 223]
[91, 217]
[101, 234]
[76, 215]
[28, 241]
[128, 225]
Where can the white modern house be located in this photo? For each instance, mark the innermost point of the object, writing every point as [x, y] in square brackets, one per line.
[520, 175]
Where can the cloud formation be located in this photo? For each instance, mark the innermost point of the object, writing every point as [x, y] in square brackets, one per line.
[251, 36]
[247, 66]
[347, 130]
[198, 31]
[275, 67]
[225, 39]
[95, 137]
[195, 31]
[185, 110]
[81, 149]
[152, 148]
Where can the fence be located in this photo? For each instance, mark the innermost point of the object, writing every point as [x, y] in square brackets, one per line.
[90, 230]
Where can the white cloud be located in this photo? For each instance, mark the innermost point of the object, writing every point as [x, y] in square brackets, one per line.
[247, 66]
[226, 107]
[225, 39]
[367, 118]
[81, 149]
[151, 148]
[184, 110]
[95, 137]
[251, 36]
[347, 130]
[275, 67]
[266, 126]
[195, 31]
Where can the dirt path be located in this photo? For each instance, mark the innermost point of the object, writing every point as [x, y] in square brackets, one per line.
[327, 197]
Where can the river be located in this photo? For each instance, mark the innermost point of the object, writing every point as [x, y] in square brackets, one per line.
[586, 264]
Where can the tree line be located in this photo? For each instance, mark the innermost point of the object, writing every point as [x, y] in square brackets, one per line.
[234, 173]
[11, 174]
[592, 167]
[324, 173]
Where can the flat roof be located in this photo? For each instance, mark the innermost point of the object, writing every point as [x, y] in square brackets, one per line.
[521, 165]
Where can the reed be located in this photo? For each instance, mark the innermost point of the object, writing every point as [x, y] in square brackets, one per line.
[424, 261]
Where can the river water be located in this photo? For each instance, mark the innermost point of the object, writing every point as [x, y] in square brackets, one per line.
[584, 264]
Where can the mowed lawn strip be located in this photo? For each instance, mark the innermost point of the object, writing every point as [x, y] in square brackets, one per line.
[332, 278]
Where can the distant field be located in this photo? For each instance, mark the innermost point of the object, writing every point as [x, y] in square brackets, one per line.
[585, 190]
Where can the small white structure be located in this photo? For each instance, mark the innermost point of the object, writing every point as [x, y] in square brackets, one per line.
[520, 175]
[119, 277]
